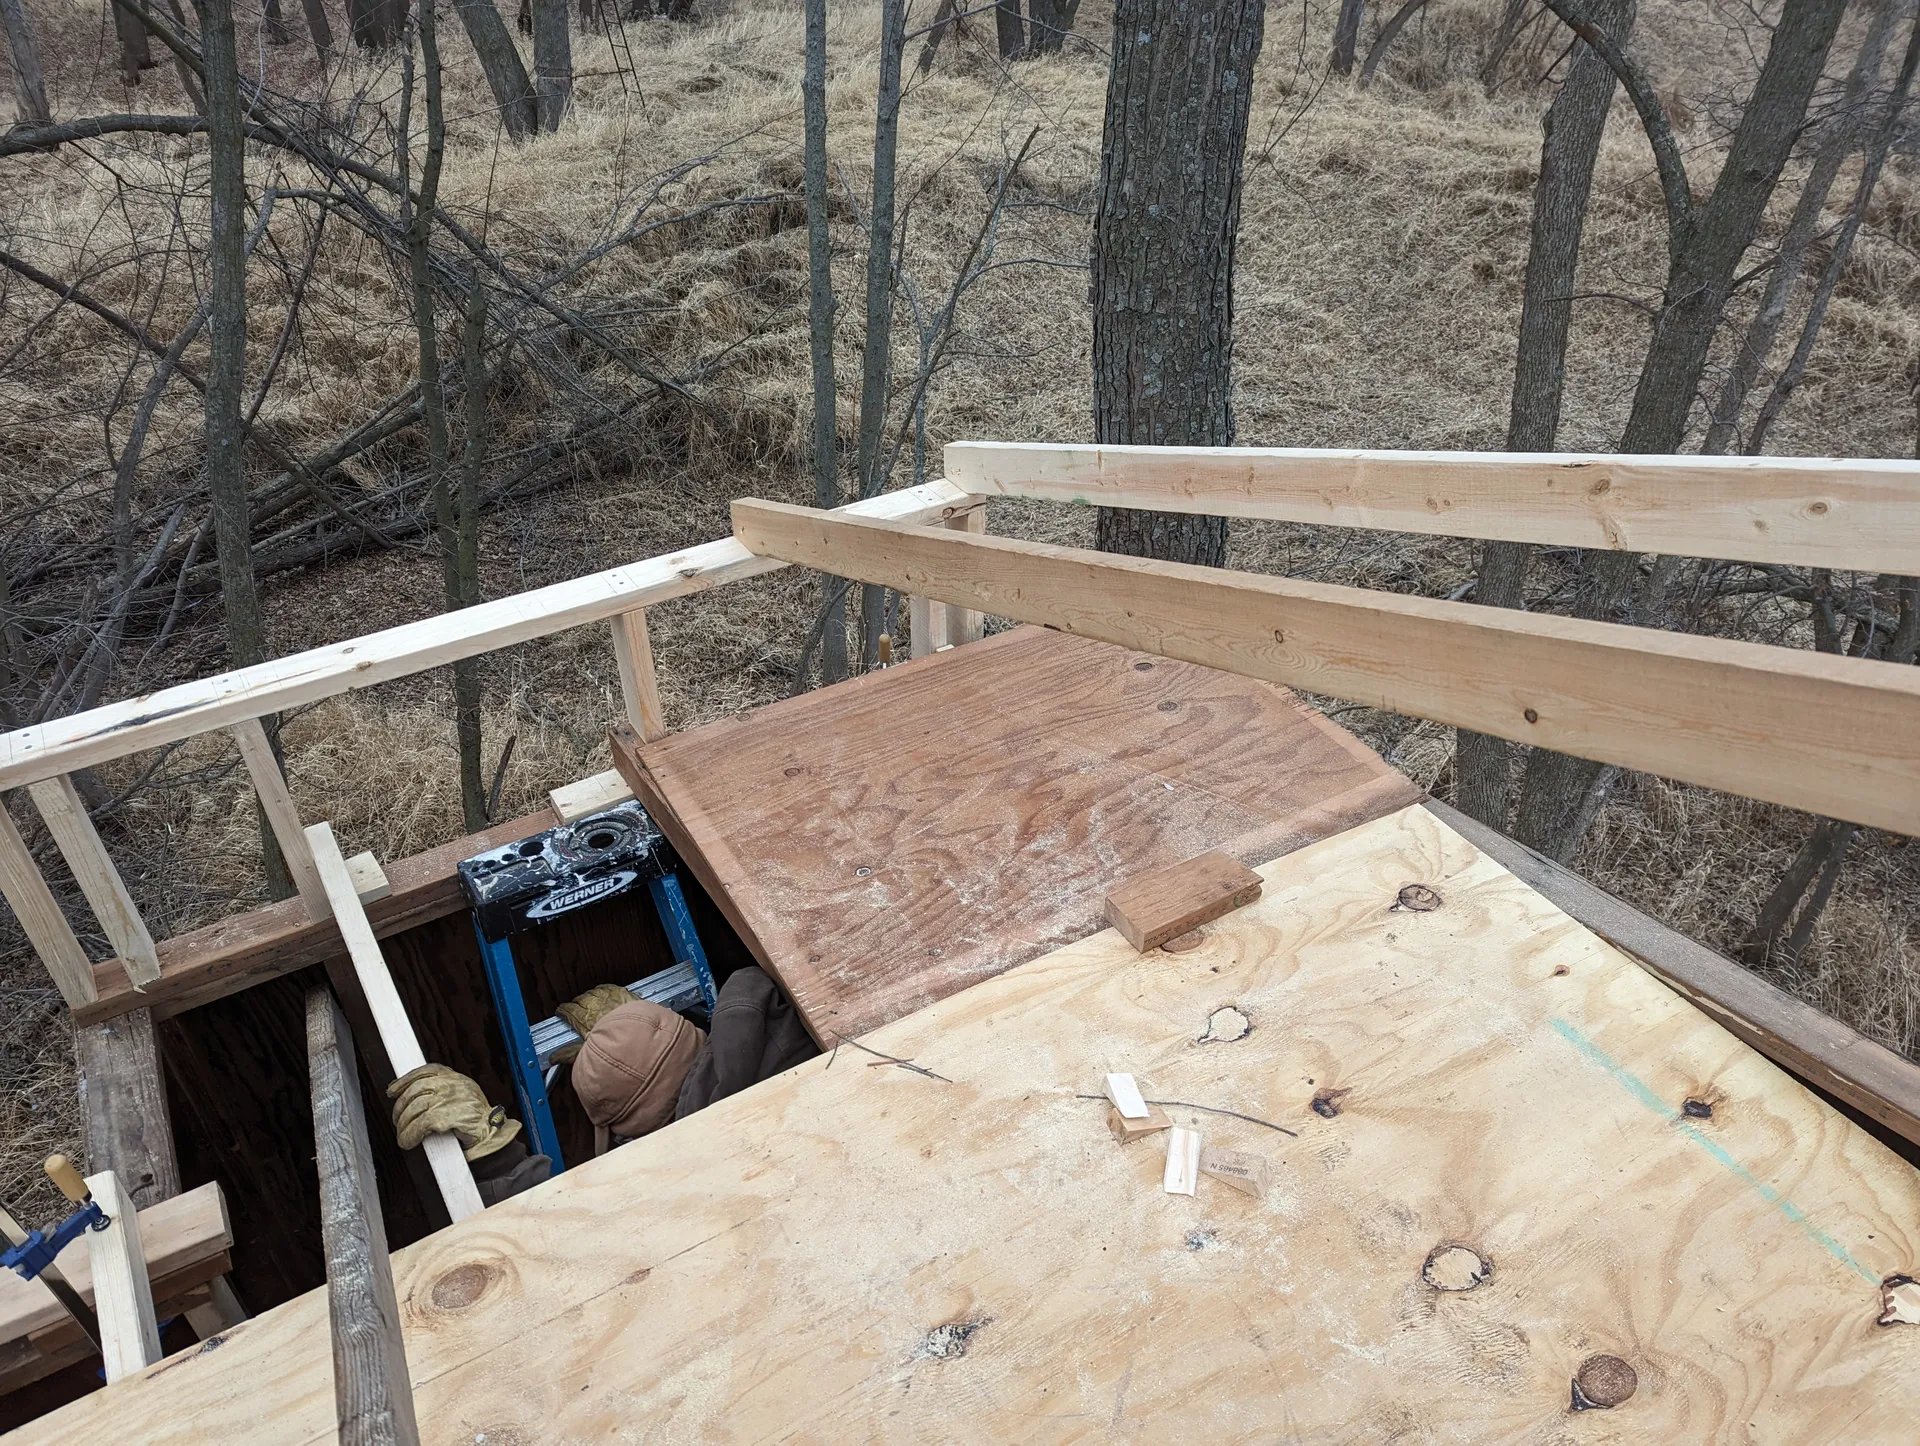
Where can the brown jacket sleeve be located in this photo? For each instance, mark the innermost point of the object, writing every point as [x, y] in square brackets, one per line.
[756, 1033]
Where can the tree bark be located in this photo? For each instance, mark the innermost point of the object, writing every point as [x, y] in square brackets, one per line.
[29, 82]
[826, 467]
[552, 61]
[375, 24]
[1164, 227]
[506, 75]
[1709, 240]
[136, 49]
[1570, 146]
[943, 19]
[1791, 255]
[877, 349]
[1346, 35]
[1009, 28]
[319, 28]
[226, 370]
[1383, 42]
[1792, 373]
[464, 582]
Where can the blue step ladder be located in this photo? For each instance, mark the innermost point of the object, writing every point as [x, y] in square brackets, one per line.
[532, 883]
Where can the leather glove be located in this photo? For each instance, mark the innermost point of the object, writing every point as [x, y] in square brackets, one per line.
[586, 1010]
[436, 1100]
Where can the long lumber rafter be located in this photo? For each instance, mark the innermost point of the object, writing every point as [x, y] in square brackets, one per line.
[1809, 511]
[1838, 736]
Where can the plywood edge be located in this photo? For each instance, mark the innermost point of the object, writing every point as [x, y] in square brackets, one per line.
[1814, 1047]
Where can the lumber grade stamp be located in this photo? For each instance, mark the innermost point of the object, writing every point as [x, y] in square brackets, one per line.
[1246, 1172]
[1167, 903]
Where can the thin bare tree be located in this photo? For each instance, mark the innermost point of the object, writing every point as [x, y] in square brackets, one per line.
[23, 55]
[826, 461]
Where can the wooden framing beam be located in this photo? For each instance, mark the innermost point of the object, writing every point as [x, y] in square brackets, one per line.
[276, 802]
[123, 1106]
[65, 816]
[372, 1392]
[639, 685]
[40, 918]
[1814, 1047]
[62, 745]
[443, 1152]
[122, 1293]
[1838, 736]
[1809, 511]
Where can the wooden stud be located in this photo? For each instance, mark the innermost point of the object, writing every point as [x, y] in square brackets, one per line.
[124, 1106]
[633, 653]
[82, 740]
[369, 879]
[1126, 1131]
[39, 914]
[219, 1311]
[443, 1152]
[129, 1337]
[1182, 1174]
[1125, 1095]
[1809, 511]
[1835, 736]
[372, 1391]
[926, 625]
[590, 795]
[1248, 1173]
[270, 786]
[964, 624]
[1152, 908]
[66, 818]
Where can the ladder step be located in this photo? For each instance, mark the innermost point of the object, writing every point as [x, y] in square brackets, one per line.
[677, 989]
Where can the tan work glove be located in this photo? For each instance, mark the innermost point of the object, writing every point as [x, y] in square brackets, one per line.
[436, 1100]
[586, 1010]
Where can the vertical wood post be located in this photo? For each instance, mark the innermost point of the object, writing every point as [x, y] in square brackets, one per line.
[79, 842]
[124, 1106]
[39, 914]
[122, 1294]
[372, 1392]
[633, 652]
[270, 786]
[965, 625]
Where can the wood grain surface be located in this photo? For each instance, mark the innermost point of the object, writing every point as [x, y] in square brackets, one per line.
[1530, 1163]
[884, 842]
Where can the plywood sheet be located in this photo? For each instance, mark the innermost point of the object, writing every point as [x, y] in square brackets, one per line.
[851, 1252]
[887, 841]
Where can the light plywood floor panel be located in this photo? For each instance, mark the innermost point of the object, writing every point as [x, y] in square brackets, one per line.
[887, 841]
[853, 1252]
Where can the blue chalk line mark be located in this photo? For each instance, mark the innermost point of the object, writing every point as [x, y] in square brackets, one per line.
[1645, 1094]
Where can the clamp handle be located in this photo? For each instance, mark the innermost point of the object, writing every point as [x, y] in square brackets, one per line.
[67, 1179]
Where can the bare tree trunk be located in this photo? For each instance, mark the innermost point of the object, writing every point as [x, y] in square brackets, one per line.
[943, 20]
[1346, 35]
[319, 28]
[29, 83]
[826, 465]
[1709, 240]
[1164, 227]
[877, 351]
[277, 32]
[506, 75]
[1795, 370]
[1790, 257]
[1009, 28]
[1504, 35]
[1383, 42]
[552, 61]
[375, 24]
[136, 49]
[464, 583]
[226, 370]
[1574, 125]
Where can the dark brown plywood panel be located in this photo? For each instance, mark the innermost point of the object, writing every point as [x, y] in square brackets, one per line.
[890, 840]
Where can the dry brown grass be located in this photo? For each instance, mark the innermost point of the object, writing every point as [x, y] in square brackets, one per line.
[1381, 251]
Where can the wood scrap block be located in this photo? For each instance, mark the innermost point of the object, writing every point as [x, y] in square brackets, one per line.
[1125, 1095]
[1156, 907]
[1182, 1175]
[369, 879]
[590, 795]
[1126, 1131]
[1243, 1171]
